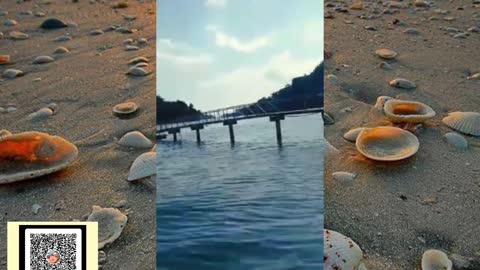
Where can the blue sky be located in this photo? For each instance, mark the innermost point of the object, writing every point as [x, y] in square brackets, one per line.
[220, 53]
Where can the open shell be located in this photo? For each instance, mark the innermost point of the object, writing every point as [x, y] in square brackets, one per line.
[433, 259]
[341, 252]
[465, 122]
[125, 108]
[143, 166]
[32, 154]
[404, 111]
[387, 143]
[110, 224]
[135, 139]
[386, 53]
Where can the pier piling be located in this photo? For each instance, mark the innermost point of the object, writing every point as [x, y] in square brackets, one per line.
[230, 124]
[174, 132]
[278, 127]
[197, 129]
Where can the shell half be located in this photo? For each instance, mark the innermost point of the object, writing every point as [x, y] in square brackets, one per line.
[465, 122]
[352, 134]
[135, 139]
[143, 166]
[110, 224]
[387, 143]
[404, 111]
[32, 154]
[341, 252]
[433, 259]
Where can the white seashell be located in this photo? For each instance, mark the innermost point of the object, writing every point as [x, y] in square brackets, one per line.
[142, 41]
[475, 76]
[387, 143]
[128, 41]
[139, 59]
[433, 259]
[456, 140]
[41, 114]
[62, 38]
[61, 50]
[344, 176]
[465, 122]
[43, 59]
[405, 111]
[381, 102]
[16, 35]
[111, 223]
[138, 71]
[4, 132]
[352, 134]
[125, 108]
[10, 23]
[386, 53]
[96, 32]
[135, 139]
[12, 73]
[143, 166]
[341, 252]
[131, 48]
[402, 83]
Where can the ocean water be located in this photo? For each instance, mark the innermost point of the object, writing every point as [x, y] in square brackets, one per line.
[252, 206]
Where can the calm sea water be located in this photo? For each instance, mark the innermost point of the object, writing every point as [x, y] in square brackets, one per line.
[253, 206]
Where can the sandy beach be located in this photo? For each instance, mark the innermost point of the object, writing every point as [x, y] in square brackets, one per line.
[397, 210]
[85, 83]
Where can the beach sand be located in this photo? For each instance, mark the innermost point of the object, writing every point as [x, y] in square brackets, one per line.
[85, 83]
[395, 211]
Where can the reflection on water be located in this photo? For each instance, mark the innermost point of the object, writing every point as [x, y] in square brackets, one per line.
[253, 206]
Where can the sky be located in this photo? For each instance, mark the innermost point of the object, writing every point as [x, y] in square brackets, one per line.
[220, 53]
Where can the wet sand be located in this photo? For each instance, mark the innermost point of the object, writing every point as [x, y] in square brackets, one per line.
[395, 211]
[85, 83]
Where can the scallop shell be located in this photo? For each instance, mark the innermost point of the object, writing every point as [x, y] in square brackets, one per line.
[352, 134]
[341, 252]
[402, 83]
[4, 59]
[387, 143]
[137, 60]
[16, 35]
[12, 73]
[61, 50]
[457, 140]
[465, 122]
[386, 53]
[41, 114]
[138, 71]
[135, 139]
[33, 154]
[143, 166]
[344, 176]
[43, 59]
[111, 223]
[125, 108]
[433, 259]
[405, 111]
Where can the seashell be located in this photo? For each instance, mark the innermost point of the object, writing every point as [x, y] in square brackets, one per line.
[143, 166]
[137, 71]
[420, 3]
[387, 143]
[123, 4]
[329, 150]
[11, 108]
[475, 76]
[456, 140]
[32, 154]
[341, 252]
[465, 122]
[129, 17]
[474, 29]
[61, 50]
[16, 35]
[386, 53]
[125, 30]
[125, 108]
[404, 111]
[96, 32]
[12, 73]
[53, 106]
[135, 139]
[411, 31]
[4, 132]
[449, 18]
[40, 14]
[4, 59]
[43, 59]
[385, 65]
[26, 12]
[10, 23]
[111, 223]
[344, 176]
[352, 134]
[433, 259]
[402, 83]
[128, 41]
[136, 60]
[53, 23]
[461, 35]
[141, 64]
[142, 41]
[131, 48]
[328, 119]
[381, 102]
[41, 114]
[3, 13]
[62, 38]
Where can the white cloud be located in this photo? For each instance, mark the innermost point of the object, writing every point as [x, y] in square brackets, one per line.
[224, 40]
[180, 54]
[216, 3]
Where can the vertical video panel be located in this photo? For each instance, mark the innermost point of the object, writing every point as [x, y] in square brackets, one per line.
[77, 108]
[239, 113]
[402, 172]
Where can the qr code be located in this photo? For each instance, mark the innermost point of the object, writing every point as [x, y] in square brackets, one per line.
[53, 251]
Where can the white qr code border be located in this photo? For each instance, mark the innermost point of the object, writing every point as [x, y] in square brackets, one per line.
[30, 231]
